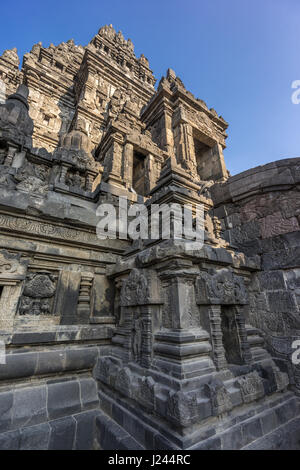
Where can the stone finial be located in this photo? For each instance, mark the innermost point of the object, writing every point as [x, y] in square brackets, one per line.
[77, 139]
[108, 31]
[23, 91]
[80, 125]
[130, 45]
[120, 37]
[144, 60]
[12, 56]
[171, 74]
[36, 49]
[15, 123]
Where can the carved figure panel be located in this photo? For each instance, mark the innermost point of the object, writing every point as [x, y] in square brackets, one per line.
[38, 294]
[222, 287]
[135, 289]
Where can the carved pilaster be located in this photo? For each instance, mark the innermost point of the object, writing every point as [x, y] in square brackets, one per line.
[216, 333]
[89, 181]
[115, 157]
[185, 147]
[167, 134]
[128, 163]
[84, 307]
[63, 175]
[10, 155]
[147, 338]
[244, 343]
[150, 176]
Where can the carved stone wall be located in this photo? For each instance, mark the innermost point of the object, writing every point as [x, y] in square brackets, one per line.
[259, 212]
[152, 343]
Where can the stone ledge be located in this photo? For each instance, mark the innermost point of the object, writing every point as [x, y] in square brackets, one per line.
[60, 334]
[76, 432]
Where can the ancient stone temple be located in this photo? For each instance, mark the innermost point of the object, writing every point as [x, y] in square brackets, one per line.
[138, 344]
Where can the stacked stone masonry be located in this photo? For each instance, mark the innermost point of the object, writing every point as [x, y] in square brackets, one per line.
[115, 344]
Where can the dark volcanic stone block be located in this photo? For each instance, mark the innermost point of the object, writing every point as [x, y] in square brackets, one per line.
[81, 358]
[85, 430]
[281, 302]
[232, 439]
[29, 406]
[33, 338]
[10, 440]
[109, 434]
[271, 280]
[6, 403]
[251, 430]
[162, 443]
[286, 437]
[18, 365]
[62, 434]
[88, 393]
[118, 414]
[35, 437]
[128, 443]
[213, 443]
[63, 399]
[67, 297]
[286, 412]
[50, 362]
[268, 422]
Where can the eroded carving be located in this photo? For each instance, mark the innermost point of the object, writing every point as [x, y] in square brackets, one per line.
[38, 294]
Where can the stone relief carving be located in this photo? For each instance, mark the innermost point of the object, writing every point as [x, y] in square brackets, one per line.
[182, 408]
[107, 368]
[251, 387]
[147, 391]
[74, 179]
[281, 379]
[10, 263]
[219, 397]
[136, 338]
[123, 381]
[33, 179]
[47, 230]
[38, 294]
[135, 289]
[7, 178]
[221, 287]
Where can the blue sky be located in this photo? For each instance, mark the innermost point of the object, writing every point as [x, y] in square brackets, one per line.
[239, 56]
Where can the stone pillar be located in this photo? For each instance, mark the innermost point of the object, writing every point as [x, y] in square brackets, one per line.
[147, 337]
[8, 304]
[67, 297]
[63, 174]
[167, 142]
[89, 181]
[113, 161]
[128, 164]
[183, 342]
[218, 164]
[216, 333]
[185, 146]
[181, 292]
[84, 307]
[10, 155]
[244, 343]
[150, 179]
[19, 159]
